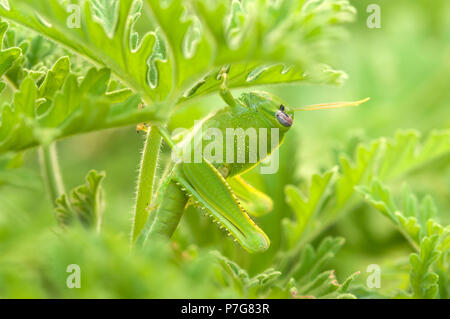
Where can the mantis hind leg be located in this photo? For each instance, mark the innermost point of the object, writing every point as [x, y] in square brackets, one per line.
[209, 189]
[168, 214]
[255, 202]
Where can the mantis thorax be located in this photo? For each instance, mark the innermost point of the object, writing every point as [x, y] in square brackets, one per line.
[251, 128]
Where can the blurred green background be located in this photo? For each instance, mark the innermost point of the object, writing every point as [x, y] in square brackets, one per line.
[404, 67]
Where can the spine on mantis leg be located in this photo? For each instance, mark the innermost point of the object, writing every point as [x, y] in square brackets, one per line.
[168, 213]
[209, 189]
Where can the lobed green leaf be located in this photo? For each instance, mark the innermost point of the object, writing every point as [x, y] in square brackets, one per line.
[263, 42]
[85, 203]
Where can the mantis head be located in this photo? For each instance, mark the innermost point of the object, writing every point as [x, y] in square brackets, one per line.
[272, 109]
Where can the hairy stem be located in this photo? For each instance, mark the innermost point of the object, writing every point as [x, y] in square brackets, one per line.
[147, 172]
[50, 171]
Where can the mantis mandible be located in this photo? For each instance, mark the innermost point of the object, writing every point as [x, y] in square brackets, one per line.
[217, 187]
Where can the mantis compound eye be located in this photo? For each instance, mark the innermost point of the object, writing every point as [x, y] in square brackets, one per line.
[283, 118]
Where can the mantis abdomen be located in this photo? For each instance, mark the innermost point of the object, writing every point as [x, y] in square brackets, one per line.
[210, 191]
[169, 211]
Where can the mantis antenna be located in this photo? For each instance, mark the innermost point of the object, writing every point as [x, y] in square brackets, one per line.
[336, 105]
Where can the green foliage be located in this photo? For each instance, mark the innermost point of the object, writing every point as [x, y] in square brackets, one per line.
[62, 106]
[249, 287]
[126, 64]
[44, 107]
[418, 223]
[13, 174]
[307, 279]
[255, 37]
[424, 282]
[37, 56]
[330, 197]
[405, 154]
[387, 159]
[325, 286]
[303, 207]
[9, 56]
[107, 268]
[85, 203]
[311, 261]
[252, 41]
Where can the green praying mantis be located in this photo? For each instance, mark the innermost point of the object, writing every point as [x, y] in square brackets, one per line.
[216, 186]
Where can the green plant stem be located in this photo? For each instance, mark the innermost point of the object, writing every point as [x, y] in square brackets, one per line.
[11, 84]
[291, 257]
[50, 171]
[146, 179]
